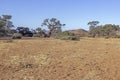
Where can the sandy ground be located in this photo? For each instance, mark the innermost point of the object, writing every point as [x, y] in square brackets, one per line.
[49, 59]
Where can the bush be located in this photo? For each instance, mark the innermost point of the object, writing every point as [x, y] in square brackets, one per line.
[37, 35]
[66, 35]
[74, 38]
[107, 37]
[17, 36]
[2, 34]
[28, 34]
[69, 38]
[117, 36]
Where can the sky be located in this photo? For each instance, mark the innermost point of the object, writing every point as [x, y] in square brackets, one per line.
[74, 13]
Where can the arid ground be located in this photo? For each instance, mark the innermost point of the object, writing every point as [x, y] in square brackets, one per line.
[52, 59]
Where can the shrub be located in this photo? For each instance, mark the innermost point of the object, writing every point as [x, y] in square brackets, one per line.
[37, 35]
[65, 38]
[74, 38]
[69, 38]
[2, 34]
[107, 37]
[28, 35]
[66, 35]
[116, 36]
[17, 36]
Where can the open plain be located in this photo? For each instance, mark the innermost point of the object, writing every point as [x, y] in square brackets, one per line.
[52, 59]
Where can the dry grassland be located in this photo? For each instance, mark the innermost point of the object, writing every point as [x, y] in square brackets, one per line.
[49, 59]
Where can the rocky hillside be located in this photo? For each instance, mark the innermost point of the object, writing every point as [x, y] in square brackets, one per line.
[80, 32]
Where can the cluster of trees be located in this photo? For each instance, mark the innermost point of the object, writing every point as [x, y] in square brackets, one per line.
[108, 30]
[25, 31]
[6, 27]
[53, 25]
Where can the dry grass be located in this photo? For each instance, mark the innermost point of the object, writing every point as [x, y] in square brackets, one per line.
[49, 59]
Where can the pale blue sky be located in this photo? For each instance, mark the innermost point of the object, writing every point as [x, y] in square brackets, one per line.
[74, 13]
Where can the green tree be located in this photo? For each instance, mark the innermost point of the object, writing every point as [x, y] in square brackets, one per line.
[25, 31]
[7, 23]
[110, 29]
[53, 25]
[38, 30]
[93, 24]
[2, 23]
[7, 17]
[92, 28]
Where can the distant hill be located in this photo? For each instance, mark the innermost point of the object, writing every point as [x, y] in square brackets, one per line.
[80, 32]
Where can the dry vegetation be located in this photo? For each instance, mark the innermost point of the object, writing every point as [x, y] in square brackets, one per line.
[49, 59]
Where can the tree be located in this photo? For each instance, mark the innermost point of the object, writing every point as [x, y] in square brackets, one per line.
[92, 24]
[8, 23]
[2, 30]
[24, 31]
[5, 24]
[108, 30]
[53, 25]
[39, 30]
[92, 28]
[2, 23]
[7, 17]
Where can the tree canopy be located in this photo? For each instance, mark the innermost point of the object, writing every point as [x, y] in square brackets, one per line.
[105, 30]
[92, 24]
[52, 23]
[5, 24]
